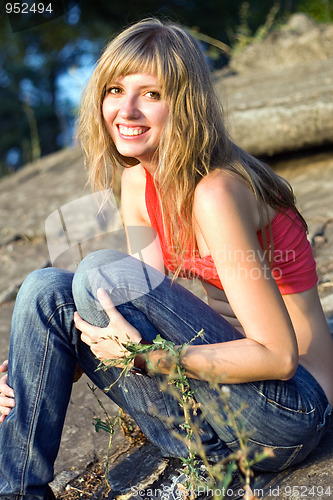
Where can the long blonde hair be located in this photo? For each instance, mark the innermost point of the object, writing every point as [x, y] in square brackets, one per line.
[194, 142]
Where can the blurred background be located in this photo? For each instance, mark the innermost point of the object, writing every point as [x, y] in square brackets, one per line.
[45, 60]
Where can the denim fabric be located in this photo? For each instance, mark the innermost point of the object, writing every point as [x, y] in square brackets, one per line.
[289, 417]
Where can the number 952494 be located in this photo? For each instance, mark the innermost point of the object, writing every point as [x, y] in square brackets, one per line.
[25, 8]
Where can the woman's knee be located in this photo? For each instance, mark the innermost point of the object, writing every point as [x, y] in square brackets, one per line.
[89, 273]
[108, 269]
[124, 277]
[95, 271]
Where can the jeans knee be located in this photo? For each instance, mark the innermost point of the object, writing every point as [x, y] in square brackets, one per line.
[97, 260]
[124, 277]
[44, 283]
[94, 271]
[97, 270]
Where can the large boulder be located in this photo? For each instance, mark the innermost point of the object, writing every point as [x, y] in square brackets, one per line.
[278, 93]
[285, 110]
[300, 40]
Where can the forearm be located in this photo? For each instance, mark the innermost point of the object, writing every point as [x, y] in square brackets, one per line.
[234, 362]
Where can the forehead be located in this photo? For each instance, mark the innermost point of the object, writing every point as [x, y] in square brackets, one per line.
[138, 79]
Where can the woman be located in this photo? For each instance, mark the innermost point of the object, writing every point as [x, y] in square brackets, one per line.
[220, 215]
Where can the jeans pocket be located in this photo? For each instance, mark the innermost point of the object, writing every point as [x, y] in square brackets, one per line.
[326, 419]
[278, 457]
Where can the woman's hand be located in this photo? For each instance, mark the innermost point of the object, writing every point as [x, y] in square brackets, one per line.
[7, 401]
[107, 343]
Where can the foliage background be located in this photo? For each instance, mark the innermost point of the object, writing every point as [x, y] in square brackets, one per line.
[44, 65]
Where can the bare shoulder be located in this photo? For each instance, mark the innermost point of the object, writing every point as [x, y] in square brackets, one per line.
[224, 192]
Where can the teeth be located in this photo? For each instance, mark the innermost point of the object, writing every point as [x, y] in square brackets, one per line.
[130, 131]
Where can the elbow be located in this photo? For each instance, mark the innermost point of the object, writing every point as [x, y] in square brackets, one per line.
[288, 366]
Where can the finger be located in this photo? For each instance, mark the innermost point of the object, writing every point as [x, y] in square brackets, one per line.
[4, 410]
[107, 304]
[5, 389]
[87, 340]
[4, 366]
[82, 325]
[6, 403]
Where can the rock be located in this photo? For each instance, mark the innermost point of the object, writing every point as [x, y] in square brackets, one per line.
[287, 109]
[27, 198]
[300, 40]
[134, 473]
[327, 303]
[278, 92]
[299, 23]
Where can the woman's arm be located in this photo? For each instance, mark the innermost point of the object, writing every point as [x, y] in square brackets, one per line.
[226, 214]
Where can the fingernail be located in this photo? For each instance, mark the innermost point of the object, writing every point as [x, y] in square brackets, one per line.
[11, 393]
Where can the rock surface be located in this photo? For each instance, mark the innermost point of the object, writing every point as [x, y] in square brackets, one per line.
[300, 40]
[282, 110]
[279, 92]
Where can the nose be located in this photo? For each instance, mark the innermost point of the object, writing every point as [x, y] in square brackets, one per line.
[129, 108]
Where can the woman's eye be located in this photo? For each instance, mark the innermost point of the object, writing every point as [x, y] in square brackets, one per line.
[113, 90]
[153, 94]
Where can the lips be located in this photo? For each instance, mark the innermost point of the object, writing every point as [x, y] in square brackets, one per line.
[132, 131]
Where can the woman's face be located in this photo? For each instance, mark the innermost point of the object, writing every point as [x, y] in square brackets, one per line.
[135, 115]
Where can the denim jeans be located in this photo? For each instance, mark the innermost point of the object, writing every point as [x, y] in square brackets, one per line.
[290, 417]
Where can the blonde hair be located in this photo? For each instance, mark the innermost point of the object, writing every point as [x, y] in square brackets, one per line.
[194, 141]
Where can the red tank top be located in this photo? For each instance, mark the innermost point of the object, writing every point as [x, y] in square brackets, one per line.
[293, 268]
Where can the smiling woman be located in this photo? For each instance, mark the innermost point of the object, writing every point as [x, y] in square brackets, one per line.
[135, 115]
[212, 212]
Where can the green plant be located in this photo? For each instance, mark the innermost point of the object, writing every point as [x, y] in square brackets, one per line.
[320, 10]
[177, 384]
[243, 35]
[123, 421]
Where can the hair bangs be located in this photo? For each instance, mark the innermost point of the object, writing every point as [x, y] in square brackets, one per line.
[134, 56]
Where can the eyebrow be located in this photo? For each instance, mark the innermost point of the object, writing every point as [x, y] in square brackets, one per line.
[140, 86]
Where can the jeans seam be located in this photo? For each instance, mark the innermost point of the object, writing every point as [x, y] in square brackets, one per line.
[38, 394]
[271, 401]
[34, 413]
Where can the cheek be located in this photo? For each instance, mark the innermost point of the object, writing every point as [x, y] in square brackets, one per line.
[107, 116]
[105, 112]
[108, 112]
[164, 115]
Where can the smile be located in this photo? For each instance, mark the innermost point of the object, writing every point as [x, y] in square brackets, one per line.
[132, 131]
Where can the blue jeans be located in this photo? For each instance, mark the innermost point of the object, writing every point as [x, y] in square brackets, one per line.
[290, 417]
